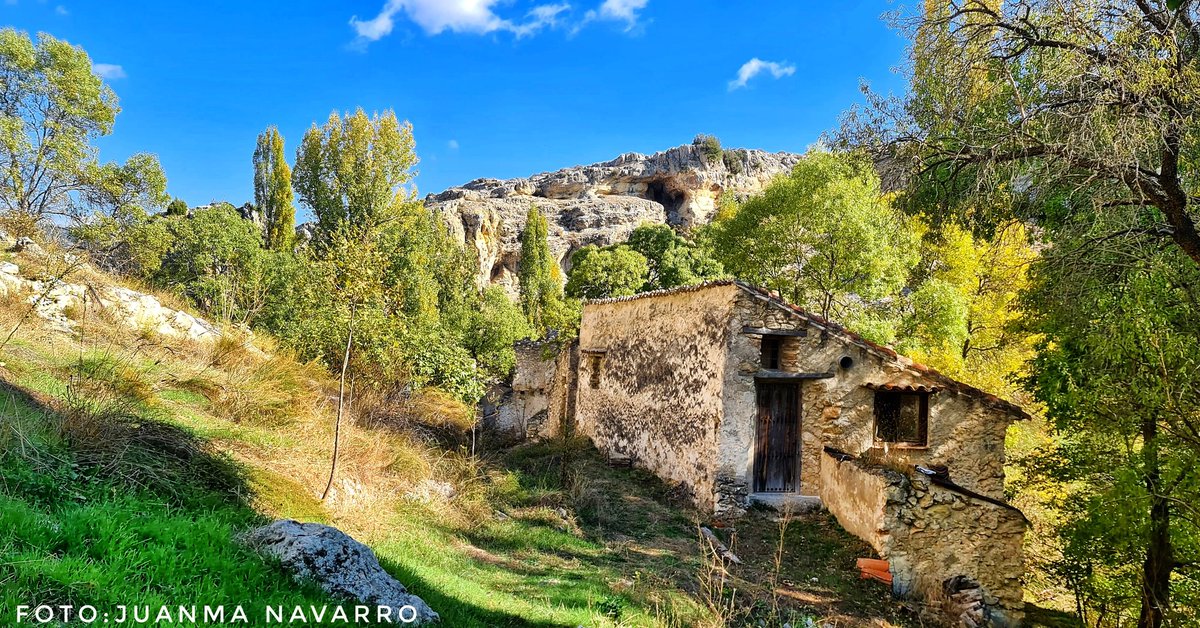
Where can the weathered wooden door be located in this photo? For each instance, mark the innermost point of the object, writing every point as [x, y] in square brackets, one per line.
[777, 452]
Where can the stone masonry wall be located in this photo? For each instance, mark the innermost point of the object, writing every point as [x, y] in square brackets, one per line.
[657, 395]
[930, 534]
[536, 405]
[964, 434]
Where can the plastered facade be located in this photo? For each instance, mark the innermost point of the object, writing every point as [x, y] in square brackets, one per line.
[657, 396]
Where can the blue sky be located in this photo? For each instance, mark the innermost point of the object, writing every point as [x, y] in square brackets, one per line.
[494, 88]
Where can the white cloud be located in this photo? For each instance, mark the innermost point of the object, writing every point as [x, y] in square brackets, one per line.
[452, 144]
[61, 10]
[541, 16]
[628, 11]
[109, 71]
[756, 66]
[458, 16]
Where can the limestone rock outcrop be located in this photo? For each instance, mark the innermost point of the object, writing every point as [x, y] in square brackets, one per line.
[599, 204]
[59, 302]
[342, 566]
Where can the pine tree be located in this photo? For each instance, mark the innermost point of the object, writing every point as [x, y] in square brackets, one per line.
[273, 190]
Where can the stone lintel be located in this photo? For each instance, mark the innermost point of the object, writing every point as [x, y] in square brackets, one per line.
[764, 331]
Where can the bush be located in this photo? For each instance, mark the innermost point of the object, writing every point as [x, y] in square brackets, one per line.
[733, 160]
[217, 261]
[177, 207]
[710, 147]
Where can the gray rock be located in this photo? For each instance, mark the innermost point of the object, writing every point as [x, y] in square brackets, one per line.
[598, 204]
[27, 245]
[342, 566]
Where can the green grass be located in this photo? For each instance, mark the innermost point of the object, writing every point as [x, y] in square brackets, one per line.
[71, 533]
[126, 475]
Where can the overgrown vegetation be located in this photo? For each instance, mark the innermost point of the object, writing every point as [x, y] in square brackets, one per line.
[130, 465]
[1043, 246]
[1079, 118]
[654, 257]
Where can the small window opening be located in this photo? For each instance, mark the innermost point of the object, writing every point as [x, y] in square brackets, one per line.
[772, 347]
[595, 361]
[902, 417]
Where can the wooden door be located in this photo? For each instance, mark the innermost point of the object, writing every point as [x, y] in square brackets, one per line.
[777, 451]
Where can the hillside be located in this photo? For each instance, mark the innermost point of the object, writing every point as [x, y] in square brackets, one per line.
[133, 457]
[602, 203]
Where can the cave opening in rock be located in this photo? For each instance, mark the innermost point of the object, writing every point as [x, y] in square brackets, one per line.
[671, 200]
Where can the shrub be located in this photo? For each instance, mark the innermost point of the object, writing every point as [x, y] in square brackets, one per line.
[177, 207]
[733, 160]
[710, 148]
[217, 261]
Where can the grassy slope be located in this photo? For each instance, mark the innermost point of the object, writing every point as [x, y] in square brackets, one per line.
[128, 463]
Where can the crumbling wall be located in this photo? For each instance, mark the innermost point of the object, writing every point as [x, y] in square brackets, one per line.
[938, 534]
[526, 412]
[932, 537]
[650, 378]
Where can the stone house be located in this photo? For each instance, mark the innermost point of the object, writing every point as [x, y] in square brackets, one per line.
[740, 397]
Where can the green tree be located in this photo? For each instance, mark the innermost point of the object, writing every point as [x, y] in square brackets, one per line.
[1080, 117]
[353, 170]
[138, 187]
[133, 245]
[672, 260]
[825, 237]
[177, 207]
[1096, 98]
[1119, 373]
[538, 274]
[609, 272]
[273, 190]
[121, 235]
[52, 106]
[495, 325]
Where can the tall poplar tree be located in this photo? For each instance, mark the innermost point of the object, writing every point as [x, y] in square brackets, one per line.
[273, 190]
[353, 171]
[537, 272]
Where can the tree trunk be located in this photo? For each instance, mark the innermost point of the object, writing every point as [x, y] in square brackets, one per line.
[337, 424]
[1160, 561]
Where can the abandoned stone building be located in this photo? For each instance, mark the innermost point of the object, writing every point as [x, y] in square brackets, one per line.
[739, 397]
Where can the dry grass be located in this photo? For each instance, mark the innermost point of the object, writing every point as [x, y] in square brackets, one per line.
[405, 481]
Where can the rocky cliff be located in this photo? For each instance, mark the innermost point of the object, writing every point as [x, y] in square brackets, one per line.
[601, 203]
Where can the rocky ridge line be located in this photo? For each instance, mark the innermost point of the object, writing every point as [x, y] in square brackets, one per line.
[599, 204]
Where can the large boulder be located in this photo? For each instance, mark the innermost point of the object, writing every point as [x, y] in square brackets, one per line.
[343, 567]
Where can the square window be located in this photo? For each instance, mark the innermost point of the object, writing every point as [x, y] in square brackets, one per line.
[902, 417]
